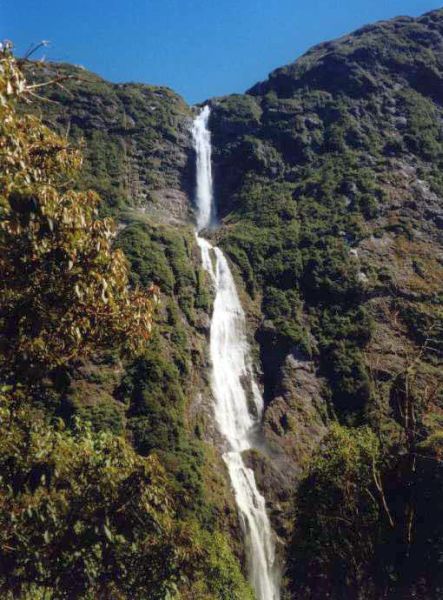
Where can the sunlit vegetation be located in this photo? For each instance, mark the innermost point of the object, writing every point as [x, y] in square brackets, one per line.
[100, 497]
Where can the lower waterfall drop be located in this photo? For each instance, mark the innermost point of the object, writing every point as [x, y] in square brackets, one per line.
[231, 371]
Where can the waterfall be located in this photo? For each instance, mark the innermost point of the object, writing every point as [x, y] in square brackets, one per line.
[231, 373]
[202, 144]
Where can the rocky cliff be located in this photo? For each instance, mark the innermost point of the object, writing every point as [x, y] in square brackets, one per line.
[137, 146]
[329, 186]
[138, 156]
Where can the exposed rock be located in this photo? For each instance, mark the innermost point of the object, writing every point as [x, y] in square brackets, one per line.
[295, 419]
[277, 489]
[169, 205]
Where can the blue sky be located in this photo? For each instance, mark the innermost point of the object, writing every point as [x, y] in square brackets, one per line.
[200, 48]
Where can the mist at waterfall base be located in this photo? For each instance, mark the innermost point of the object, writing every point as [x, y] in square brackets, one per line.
[231, 368]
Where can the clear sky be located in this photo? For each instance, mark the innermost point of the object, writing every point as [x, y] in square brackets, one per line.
[200, 48]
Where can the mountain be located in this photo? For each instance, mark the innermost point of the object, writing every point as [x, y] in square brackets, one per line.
[137, 143]
[328, 180]
[329, 195]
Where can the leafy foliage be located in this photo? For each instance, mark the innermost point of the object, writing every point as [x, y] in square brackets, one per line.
[367, 510]
[331, 165]
[328, 179]
[82, 513]
[337, 517]
[63, 287]
[292, 243]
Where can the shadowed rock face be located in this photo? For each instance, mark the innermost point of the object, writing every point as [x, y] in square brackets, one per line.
[296, 418]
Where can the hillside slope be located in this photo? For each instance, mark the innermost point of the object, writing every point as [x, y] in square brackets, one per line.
[328, 176]
[329, 180]
[138, 157]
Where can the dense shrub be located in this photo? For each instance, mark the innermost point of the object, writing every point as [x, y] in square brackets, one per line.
[337, 518]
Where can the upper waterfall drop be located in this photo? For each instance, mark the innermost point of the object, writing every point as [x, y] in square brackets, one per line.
[204, 192]
[231, 373]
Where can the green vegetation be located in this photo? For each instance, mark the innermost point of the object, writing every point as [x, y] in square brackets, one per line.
[338, 517]
[155, 388]
[84, 512]
[367, 510]
[328, 183]
[292, 244]
[82, 515]
[130, 134]
[63, 287]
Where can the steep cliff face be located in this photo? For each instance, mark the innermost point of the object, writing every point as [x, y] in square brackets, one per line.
[138, 150]
[329, 186]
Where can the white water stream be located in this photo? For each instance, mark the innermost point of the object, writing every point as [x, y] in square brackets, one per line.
[231, 374]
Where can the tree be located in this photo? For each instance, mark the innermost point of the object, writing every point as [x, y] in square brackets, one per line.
[63, 288]
[339, 509]
[368, 511]
[81, 513]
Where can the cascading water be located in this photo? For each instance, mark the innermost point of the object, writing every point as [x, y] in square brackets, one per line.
[202, 144]
[231, 372]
